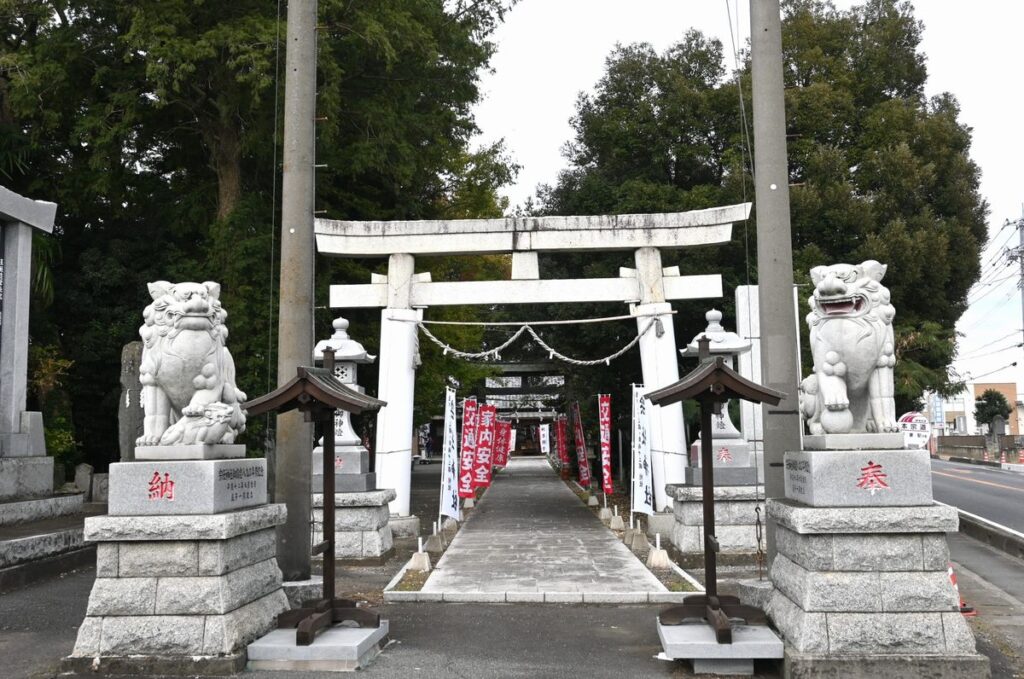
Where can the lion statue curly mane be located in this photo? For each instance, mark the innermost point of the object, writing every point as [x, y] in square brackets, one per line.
[851, 389]
[188, 376]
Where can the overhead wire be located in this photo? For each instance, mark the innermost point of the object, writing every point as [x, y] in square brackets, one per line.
[989, 353]
[992, 372]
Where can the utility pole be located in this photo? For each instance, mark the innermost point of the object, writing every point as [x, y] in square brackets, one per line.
[295, 318]
[780, 369]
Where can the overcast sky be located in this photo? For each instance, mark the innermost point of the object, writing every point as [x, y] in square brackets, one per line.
[550, 50]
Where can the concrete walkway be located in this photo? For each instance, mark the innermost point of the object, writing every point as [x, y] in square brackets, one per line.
[532, 539]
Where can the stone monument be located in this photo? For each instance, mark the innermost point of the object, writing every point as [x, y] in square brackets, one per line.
[362, 533]
[739, 499]
[860, 575]
[186, 560]
[26, 472]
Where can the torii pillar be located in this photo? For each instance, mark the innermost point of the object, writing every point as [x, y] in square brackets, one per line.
[399, 352]
[659, 363]
[25, 470]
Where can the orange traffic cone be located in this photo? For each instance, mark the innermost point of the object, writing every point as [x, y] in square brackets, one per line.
[985, 457]
[968, 611]
[1002, 457]
[1020, 456]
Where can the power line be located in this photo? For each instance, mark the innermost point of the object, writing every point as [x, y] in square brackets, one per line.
[988, 344]
[990, 353]
[989, 291]
[992, 372]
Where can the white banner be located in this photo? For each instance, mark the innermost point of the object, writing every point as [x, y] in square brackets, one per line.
[450, 461]
[511, 441]
[545, 439]
[643, 486]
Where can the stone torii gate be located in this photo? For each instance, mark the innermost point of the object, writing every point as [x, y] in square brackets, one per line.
[402, 294]
[19, 216]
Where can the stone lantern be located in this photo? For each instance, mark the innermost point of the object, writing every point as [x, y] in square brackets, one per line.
[348, 355]
[361, 533]
[732, 458]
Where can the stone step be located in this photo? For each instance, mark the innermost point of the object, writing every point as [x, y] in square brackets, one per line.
[25, 542]
[25, 511]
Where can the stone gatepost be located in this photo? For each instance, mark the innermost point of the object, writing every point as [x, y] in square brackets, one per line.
[362, 532]
[26, 472]
[186, 560]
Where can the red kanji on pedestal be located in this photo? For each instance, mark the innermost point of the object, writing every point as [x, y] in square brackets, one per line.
[872, 478]
[161, 489]
[724, 454]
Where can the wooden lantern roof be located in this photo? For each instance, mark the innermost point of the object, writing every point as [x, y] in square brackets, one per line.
[312, 389]
[714, 381]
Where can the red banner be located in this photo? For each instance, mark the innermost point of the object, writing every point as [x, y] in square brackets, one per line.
[581, 445]
[562, 441]
[502, 438]
[469, 417]
[484, 446]
[604, 418]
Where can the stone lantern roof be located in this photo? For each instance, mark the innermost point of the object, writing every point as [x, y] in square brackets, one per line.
[722, 341]
[345, 348]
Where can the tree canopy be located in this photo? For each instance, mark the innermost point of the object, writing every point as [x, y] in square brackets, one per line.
[877, 170]
[991, 405]
[155, 127]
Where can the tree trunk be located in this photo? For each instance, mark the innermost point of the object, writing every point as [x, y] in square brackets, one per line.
[228, 156]
[223, 138]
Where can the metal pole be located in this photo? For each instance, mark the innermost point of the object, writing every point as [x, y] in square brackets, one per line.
[780, 369]
[295, 318]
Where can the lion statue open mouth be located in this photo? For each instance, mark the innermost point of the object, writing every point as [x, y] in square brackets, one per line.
[850, 321]
[188, 376]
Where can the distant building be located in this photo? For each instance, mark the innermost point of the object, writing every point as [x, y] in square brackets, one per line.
[955, 415]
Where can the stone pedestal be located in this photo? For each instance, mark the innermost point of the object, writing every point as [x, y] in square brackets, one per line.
[180, 589]
[864, 591]
[361, 530]
[186, 568]
[735, 521]
[26, 472]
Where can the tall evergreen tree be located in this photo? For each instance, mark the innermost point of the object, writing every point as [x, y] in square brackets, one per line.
[152, 125]
[877, 170]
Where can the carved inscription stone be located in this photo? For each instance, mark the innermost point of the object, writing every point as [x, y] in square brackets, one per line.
[186, 487]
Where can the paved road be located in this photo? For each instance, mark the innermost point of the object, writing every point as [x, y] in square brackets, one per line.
[994, 494]
[530, 533]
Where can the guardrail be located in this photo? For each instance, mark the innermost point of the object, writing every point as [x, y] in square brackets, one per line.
[991, 533]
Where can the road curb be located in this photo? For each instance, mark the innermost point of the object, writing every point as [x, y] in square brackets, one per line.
[993, 534]
[971, 460]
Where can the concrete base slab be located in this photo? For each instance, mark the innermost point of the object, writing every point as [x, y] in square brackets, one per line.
[808, 666]
[1009, 466]
[696, 642]
[404, 526]
[338, 649]
[723, 667]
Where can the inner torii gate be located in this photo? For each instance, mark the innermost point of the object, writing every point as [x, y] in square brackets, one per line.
[403, 294]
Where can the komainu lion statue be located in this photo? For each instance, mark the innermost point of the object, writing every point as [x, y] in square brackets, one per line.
[188, 377]
[851, 389]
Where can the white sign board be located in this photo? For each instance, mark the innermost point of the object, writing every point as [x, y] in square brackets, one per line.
[643, 482]
[545, 438]
[450, 460]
